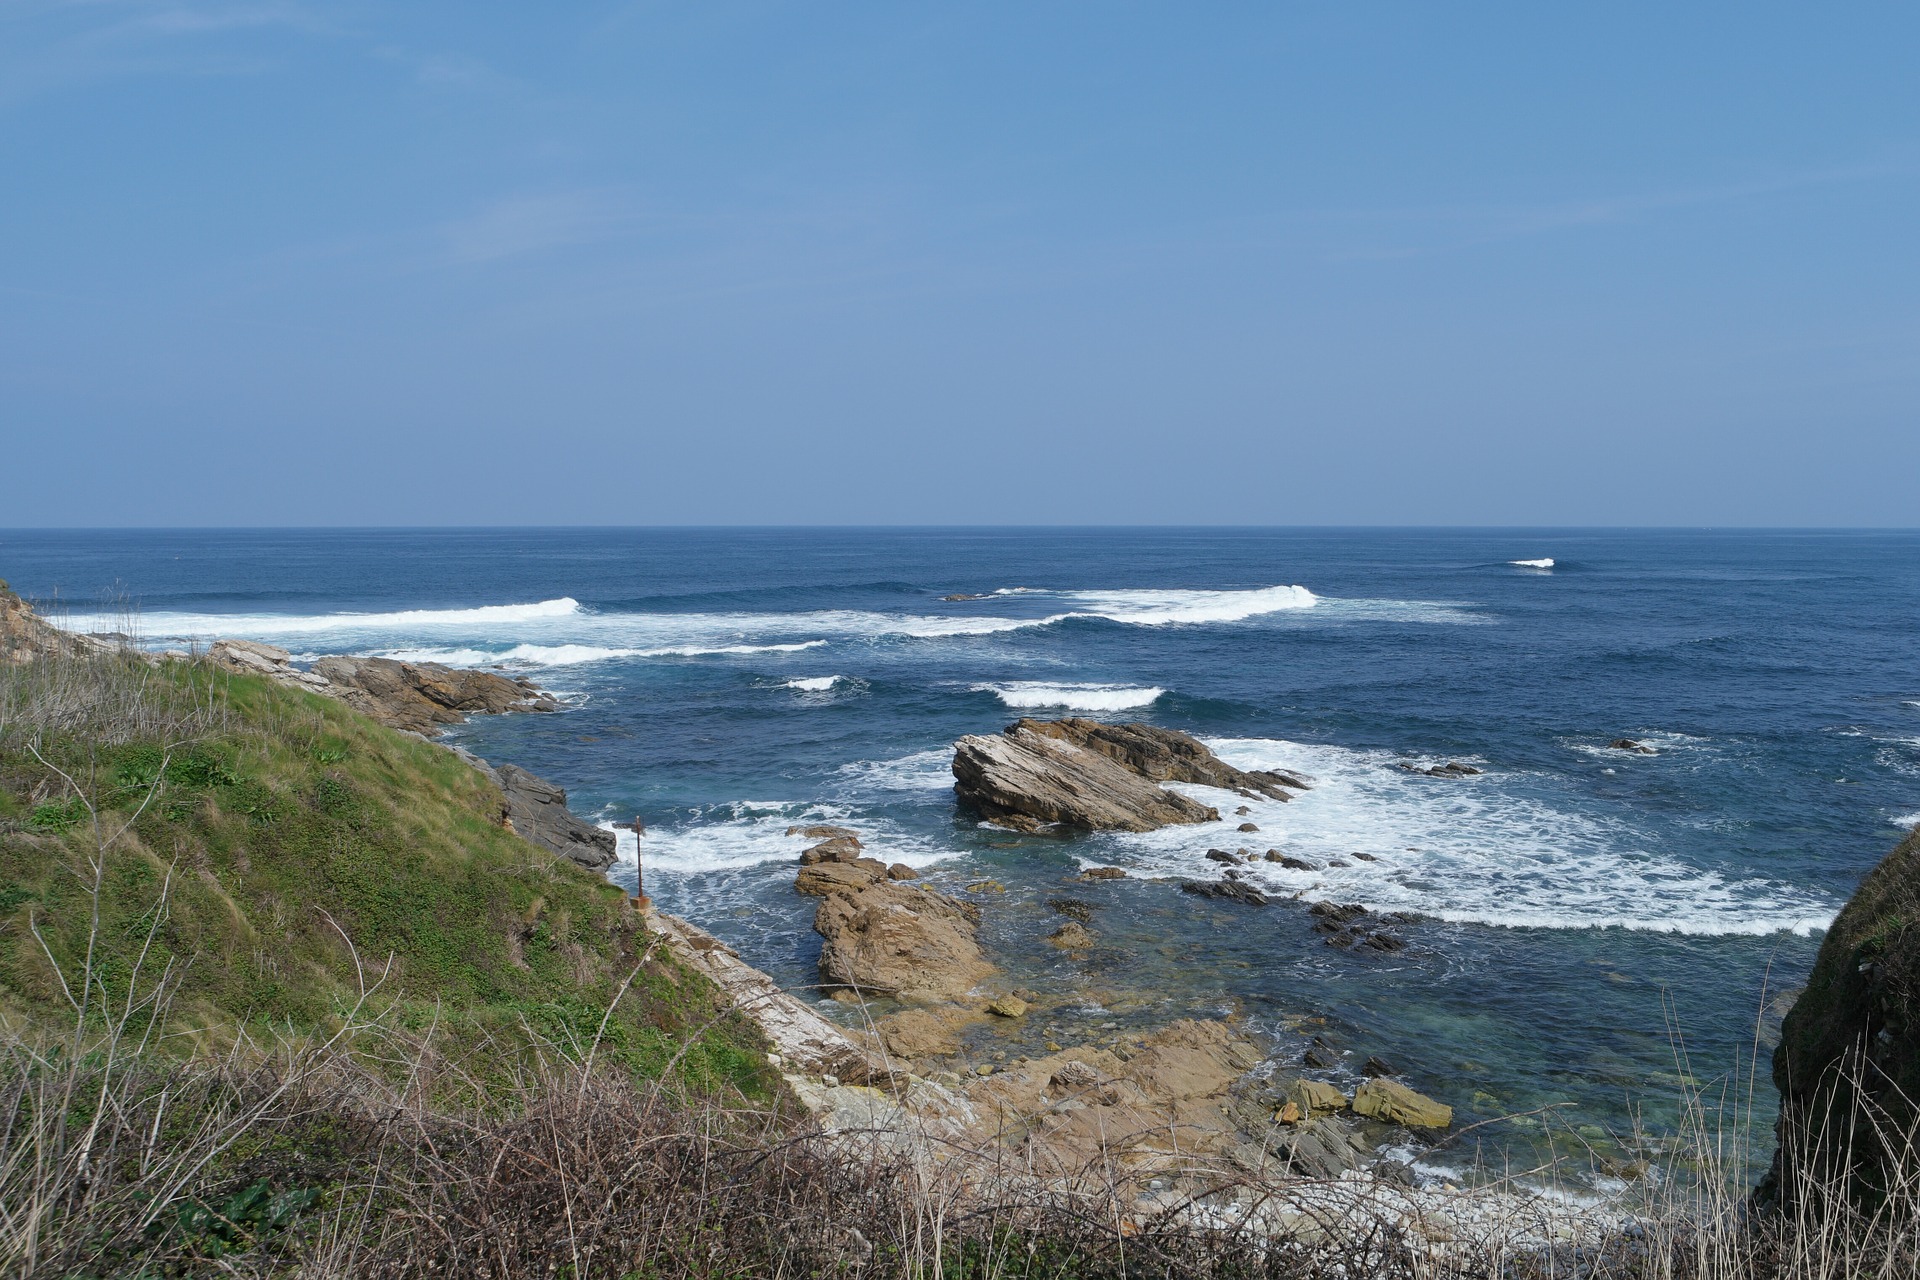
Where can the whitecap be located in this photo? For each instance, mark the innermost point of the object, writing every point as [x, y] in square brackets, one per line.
[1504, 851]
[1026, 694]
[1544, 562]
[814, 684]
[1907, 820]
[1146, 608]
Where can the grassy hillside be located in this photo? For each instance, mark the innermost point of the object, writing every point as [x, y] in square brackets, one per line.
[271, 852]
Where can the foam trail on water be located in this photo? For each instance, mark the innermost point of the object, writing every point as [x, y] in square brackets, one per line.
[1024, 694]
[1499, 849]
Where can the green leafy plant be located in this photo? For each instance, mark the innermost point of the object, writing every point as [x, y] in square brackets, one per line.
[57, 815]
[236, 1223]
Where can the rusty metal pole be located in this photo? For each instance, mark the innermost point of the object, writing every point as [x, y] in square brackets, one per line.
[641, 902]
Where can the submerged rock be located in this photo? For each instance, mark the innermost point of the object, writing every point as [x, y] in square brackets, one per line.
[1072, 936]
[1633, 746]
[1231, 890]
[1452, 769]
[1096, 776]
[1394, 1103]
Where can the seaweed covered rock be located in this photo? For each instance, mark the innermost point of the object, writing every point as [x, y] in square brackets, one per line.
[1848, 1064]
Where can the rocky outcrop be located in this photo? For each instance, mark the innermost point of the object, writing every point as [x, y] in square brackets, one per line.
[902, 940]
[1848, 1063]
[537, 811]
[419, 697]
[422, 697]
[1095, 776]
[25, 636]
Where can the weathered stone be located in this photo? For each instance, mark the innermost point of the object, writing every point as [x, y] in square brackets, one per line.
[1316, 1097]
[833, 849]
[823, 831]
[1100, 777]
[537, 811]
[1247, 827]
[902, 940]
[1392, 1102]
[1008, 1007]
[1103, 873]
[901, 871]
[1629, 744]
[424, 697]
[823, 878]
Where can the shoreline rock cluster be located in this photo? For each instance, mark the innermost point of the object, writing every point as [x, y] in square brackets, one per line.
[1095, 776]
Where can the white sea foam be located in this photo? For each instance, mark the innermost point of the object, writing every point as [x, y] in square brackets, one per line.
[814, 684]
[885, 779]
[566, 655]
[1908, 820]
[1169, 608]
[1502, 849]
[748, 833]
[1024, 694]
[189, 625]
[701, 651]
[1544, 562]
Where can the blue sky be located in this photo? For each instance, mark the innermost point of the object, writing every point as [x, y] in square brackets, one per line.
[490, 263]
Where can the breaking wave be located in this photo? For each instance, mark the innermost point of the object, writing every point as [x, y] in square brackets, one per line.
[1025, 694]
[1499, 849]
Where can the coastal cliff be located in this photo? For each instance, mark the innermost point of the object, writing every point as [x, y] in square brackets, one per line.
[1848, 1062]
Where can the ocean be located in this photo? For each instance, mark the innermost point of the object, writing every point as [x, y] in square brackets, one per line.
[1599, 932]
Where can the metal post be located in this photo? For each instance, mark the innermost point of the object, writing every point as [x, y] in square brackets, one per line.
[641, 902]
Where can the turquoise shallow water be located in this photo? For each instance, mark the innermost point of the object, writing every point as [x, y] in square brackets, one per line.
[1578, 905]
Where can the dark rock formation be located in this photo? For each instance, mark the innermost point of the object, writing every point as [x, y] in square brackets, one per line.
[1099, 777]
[1848, 1064]
[1629, 744]
[1451, 769]
[1231, 890]
[537, 811]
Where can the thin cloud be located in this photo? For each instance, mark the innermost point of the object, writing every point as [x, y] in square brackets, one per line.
[529, 224]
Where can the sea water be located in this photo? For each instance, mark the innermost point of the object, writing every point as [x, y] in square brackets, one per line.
[1598, 932]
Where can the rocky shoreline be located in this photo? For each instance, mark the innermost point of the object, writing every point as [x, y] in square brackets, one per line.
[1162, 1112]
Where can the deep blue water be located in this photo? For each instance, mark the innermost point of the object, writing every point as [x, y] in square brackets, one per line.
[1579, 904]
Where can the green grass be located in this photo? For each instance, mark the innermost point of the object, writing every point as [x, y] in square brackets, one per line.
[295, 826]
